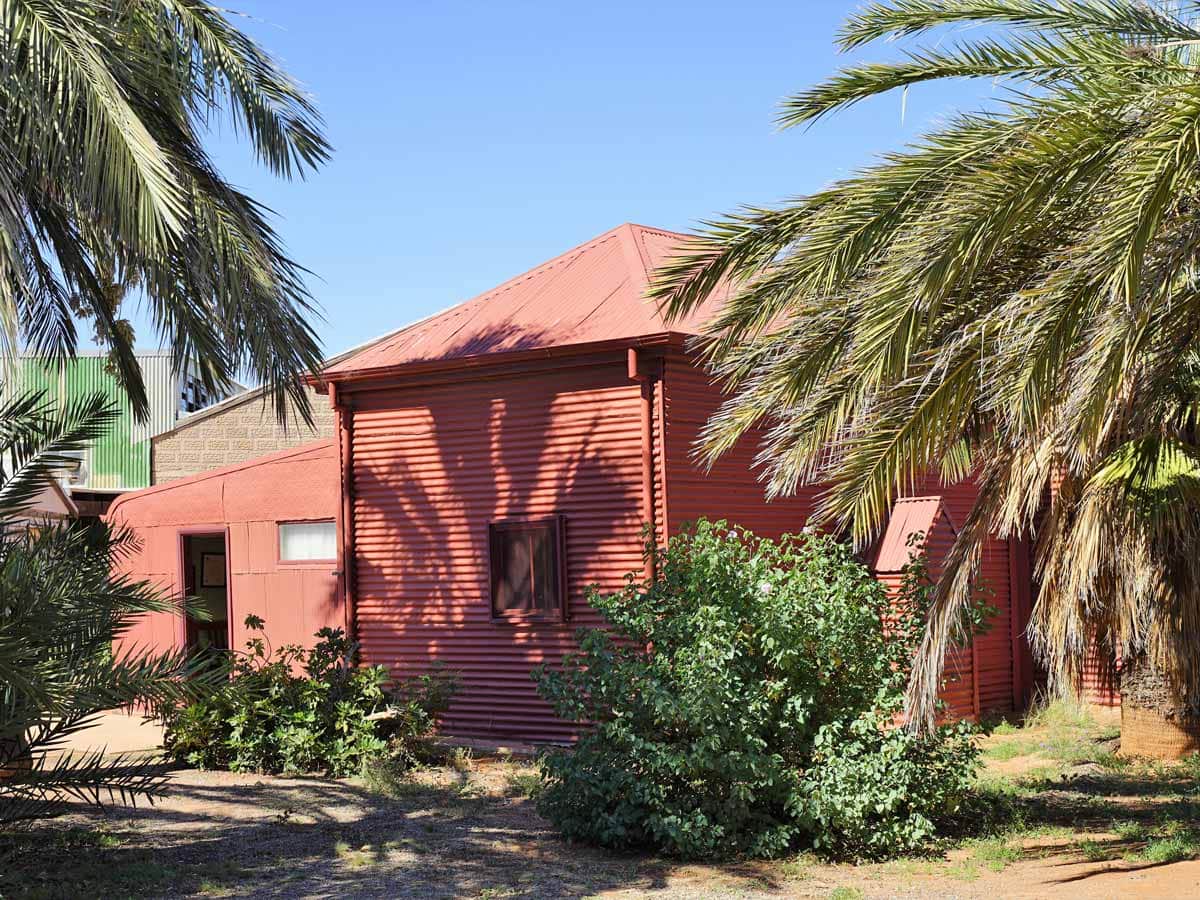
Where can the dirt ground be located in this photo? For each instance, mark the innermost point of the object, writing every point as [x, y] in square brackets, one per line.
[470, 830]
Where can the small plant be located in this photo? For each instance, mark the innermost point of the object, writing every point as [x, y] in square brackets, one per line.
[799, 868]
[292, 710]
[1060, 714]
[1131, 831]
[390, 776]
[1095, 851]
[523, 784]
[1173, 848]
[461, 759]
[744, 702]
[1190, 764]
[995, 854]
[1006, 750]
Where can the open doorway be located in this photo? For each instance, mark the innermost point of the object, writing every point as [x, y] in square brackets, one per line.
[205, 575]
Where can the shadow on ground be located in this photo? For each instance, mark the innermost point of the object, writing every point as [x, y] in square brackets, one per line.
[219, 834]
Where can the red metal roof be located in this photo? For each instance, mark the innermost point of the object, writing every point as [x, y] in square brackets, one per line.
[910, 515]
[592, 294]
[259, 470]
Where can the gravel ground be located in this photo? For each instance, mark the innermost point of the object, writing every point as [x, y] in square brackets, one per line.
[473, 832]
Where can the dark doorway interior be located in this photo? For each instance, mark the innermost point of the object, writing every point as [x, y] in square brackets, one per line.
[205, 576]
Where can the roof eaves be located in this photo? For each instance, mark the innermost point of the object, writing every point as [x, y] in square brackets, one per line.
[426, 366]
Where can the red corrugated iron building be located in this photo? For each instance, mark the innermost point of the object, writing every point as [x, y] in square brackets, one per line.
[491, 463]
[498, 458]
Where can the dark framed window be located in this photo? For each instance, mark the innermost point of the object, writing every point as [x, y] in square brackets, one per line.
[527, 565]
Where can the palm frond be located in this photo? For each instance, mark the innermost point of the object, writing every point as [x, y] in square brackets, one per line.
[36, 440]
[104, 113]
[1012, 298]
[902, 18]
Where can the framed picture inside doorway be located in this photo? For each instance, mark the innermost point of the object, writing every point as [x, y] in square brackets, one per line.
[212, 570]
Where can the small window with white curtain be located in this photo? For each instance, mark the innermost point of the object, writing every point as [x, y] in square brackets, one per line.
[307, 541]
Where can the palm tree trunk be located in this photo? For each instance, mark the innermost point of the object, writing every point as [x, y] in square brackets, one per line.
[1155, 721]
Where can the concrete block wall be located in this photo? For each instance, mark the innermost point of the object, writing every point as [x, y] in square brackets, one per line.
[239, 431]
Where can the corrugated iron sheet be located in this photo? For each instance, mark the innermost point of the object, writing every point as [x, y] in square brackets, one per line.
[432, 466]
[910, 516]
[994, 649]
[121, 458]
[729, 490]
[1101, 680]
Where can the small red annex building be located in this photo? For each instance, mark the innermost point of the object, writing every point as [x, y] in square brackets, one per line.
[257, 538]
[501, 456]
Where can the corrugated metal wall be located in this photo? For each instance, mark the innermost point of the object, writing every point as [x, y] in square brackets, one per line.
[121, 458]
[731, 491]
[994, 651]
[432, 466]
[1101, 680]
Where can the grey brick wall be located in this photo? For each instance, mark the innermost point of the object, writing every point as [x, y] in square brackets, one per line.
[240, 431]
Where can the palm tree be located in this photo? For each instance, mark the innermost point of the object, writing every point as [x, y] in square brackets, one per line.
[1013, 296]
[61, 610]
[105, 180]
[106, 187]
[115, 287]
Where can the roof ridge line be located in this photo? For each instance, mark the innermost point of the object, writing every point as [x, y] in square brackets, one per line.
[634, 257]
[543, 266]
[641, 264]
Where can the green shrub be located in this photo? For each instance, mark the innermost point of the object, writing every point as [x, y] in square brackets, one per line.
[721, 691]
[292, 710]
[872, 791]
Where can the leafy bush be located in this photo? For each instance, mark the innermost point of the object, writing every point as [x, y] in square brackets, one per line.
[739, 697]
[334, 717]
[872, 791]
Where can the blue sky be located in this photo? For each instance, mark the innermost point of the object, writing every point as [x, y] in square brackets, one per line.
[475, 140]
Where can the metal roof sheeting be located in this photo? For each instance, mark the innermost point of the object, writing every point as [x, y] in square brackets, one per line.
[593, 293]
[910, 516]
[119, 460]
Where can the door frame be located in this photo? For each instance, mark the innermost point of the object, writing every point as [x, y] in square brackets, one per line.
[181, 536]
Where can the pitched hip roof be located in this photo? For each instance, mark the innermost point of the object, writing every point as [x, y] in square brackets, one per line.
[592, 294]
